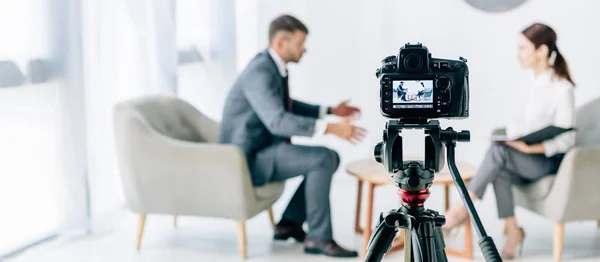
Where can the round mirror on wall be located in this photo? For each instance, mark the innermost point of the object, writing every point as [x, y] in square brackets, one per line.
[495, 6]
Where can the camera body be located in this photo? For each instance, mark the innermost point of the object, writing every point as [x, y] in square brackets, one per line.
[413, 85]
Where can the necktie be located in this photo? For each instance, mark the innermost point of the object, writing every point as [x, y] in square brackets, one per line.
[288, 101]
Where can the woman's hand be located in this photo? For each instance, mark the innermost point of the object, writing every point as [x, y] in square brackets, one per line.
[525, 148]
[519, 146]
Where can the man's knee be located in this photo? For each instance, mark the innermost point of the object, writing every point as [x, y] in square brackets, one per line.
[335, 158]
[328, 159]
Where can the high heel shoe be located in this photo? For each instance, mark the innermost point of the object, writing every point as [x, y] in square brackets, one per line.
[519, 248]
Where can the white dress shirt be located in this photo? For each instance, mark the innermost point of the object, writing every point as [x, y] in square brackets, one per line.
[320, 125]
[551, 102]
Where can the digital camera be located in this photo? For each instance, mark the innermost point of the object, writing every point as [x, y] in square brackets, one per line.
[416, 86]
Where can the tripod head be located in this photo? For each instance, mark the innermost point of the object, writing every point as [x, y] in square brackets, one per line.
[413, 178]
[389, 152]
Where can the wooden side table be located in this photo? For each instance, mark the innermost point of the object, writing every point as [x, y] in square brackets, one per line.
[373, 174]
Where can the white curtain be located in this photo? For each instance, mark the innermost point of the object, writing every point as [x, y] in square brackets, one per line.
[129, 50]
[150, 47]
[205, 84]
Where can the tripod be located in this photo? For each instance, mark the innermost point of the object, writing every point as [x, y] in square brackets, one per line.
[424, 241]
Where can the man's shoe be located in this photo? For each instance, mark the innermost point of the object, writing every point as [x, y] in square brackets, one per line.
[327, 247]
[284, 231]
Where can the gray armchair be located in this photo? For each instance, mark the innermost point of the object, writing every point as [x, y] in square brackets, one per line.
[170, 163]
[571, 195]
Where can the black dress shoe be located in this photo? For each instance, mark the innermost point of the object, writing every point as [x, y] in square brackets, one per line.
[328, 248]
[283, 231]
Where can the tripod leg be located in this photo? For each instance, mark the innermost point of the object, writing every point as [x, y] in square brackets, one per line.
[407, 245]
[440, 245]
[417, 247]
[381, 240]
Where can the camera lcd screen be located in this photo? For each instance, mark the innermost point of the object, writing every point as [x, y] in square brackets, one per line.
[413, 91]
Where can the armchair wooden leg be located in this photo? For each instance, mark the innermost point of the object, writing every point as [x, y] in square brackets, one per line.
[175, 221]
[598, 223]
[271, 217]
[559, 237]
[141, 230]
[242, 238]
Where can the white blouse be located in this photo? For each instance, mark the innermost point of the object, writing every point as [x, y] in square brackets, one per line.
[551, 102]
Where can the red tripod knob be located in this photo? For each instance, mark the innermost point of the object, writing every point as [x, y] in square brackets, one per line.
[413, 198]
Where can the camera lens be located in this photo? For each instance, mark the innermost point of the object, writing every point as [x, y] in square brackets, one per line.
[413, 62]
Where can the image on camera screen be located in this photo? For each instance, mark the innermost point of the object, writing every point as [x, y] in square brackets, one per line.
[413, 91]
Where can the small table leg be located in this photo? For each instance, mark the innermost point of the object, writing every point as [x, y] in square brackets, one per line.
[447, 196]
[468, 241]
[367, 230]
[357, 228]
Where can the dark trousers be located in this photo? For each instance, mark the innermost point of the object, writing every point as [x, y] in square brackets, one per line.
[310, 203]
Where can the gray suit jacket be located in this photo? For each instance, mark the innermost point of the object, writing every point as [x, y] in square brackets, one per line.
[255, 116]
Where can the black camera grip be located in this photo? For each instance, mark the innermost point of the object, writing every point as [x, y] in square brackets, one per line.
[490, 253]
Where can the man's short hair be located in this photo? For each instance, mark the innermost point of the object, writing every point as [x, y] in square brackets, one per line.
[285, 23]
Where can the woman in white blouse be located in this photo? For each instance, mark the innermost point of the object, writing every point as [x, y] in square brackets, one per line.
[550, 102]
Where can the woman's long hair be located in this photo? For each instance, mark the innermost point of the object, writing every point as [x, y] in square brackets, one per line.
[540, 34]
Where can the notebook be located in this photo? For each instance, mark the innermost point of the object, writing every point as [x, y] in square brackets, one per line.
[538, 136]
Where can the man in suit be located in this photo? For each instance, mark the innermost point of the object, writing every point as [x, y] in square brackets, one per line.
[401, 91]
[260, 117]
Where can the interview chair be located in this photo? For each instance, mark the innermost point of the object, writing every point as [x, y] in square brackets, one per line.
[572, 194]
[170, 163]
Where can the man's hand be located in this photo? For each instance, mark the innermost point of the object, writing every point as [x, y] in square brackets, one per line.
[343, 109]
[519, 146]
[346, 130]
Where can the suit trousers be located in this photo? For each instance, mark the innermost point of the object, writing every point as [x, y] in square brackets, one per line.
[504, 167]
[310, 202]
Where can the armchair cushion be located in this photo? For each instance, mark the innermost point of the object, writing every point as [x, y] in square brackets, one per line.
[266, 195]
[269, 190]
[535, 191]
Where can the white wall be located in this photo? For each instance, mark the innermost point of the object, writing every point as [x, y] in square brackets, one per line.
[347, 42]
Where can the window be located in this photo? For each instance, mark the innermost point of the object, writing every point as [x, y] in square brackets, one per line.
[193, 31]
[24, 28]
[30, 155]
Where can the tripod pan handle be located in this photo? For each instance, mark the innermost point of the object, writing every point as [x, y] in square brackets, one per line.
[488, 248]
